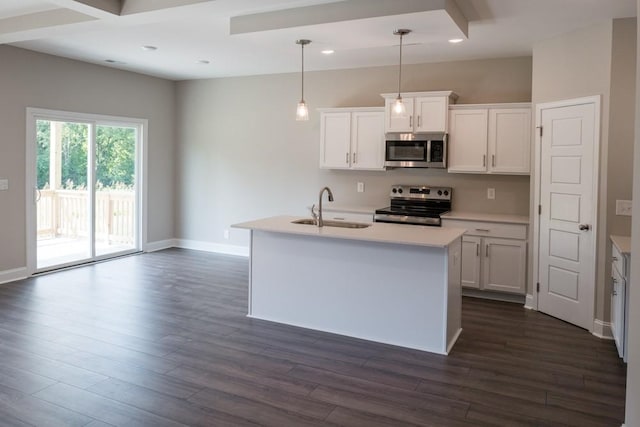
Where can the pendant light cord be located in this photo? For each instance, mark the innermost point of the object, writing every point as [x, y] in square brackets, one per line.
[400, 67]
[302, 45]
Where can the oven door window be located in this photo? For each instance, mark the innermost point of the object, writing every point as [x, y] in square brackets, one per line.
[406, 151]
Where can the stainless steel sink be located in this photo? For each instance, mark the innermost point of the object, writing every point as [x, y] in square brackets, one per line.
[329, 223]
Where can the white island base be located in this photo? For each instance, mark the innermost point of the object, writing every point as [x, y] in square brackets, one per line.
[402, 294]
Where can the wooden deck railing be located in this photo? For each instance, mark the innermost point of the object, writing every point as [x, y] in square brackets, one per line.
[64, 213]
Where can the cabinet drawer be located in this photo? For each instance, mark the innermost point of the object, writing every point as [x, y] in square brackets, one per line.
[619, 261]
[489, 229]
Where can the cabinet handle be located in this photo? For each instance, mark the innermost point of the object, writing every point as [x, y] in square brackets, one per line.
[419, 121]
[483, 229]
[614, 258]
[346, 159]
[355, 157]
[484, 160]
[493, 160]
[477, 249]
[486, 252]
[614, 293]
[410, 121]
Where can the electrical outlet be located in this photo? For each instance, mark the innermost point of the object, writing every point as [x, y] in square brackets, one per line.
[4, 184]
[360, 187]
[623, 207]
[226, 234]
[491, 193]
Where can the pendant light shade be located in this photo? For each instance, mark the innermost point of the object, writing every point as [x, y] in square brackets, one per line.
[302, 112]
[398, 109]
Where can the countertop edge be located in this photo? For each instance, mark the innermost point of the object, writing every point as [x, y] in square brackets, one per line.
[623, 243]
[486, 217]
[282, 224]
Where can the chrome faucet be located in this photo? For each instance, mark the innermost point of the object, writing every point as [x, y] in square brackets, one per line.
[320, 222]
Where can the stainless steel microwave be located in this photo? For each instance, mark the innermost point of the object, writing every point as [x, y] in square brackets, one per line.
[409, 150]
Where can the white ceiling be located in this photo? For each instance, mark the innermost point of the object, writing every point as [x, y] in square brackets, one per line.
[187, 31]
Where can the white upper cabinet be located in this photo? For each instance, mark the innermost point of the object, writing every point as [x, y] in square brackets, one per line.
[510, 140]
[431, 113]
[468, 140]
[335, 140]
[492, 138]
[352, 138]
[426, 112]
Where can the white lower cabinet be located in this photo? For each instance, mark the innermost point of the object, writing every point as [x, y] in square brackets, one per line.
[619, 298]
[504, 265]
[494, 256]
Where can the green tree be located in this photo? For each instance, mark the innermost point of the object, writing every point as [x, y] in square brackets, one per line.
[115, 155]
[43, 142]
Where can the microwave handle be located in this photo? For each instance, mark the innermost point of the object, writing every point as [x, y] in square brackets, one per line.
[428, 151]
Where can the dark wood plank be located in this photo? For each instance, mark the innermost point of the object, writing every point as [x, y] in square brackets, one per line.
[163, 339]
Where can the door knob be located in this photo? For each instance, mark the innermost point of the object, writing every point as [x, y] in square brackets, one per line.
[584, 227]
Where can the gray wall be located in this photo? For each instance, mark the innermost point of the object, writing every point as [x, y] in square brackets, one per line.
[598, 60]
[241, 155]
[29, 79]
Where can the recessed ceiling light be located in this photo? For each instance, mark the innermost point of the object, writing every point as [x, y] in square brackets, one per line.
[204, 62]
[328, 51]
[456, 40]
[149, 48]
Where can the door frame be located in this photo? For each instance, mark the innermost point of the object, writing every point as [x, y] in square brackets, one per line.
[34, 114]
[596, 100]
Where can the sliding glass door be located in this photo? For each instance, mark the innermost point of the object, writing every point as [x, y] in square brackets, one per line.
[86, 204]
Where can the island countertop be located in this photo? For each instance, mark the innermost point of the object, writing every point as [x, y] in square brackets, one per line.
[401, 234]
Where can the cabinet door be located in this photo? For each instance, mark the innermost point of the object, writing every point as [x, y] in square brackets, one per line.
[367, 140]
[618, 310]
[504, 266]
[468, 140]
[335, 140]
[510, 140]
[398, 124]
[431, 114]
[471, 261]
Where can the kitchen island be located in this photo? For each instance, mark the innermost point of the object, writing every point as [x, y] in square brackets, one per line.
[390, 283]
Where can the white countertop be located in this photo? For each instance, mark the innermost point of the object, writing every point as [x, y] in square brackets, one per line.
[475, 216]
[328, 207]
[377, 232]
[623, 243]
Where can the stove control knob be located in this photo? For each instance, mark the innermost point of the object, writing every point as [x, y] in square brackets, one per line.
[446, 193]
[400, 190]
[439, 192]
[395, 190]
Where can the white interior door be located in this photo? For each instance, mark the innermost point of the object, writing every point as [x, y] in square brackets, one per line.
[568, 189]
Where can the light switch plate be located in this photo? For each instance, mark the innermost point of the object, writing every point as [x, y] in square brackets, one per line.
[4, 184]
[623, 207]
[491, 193]
[360, 187]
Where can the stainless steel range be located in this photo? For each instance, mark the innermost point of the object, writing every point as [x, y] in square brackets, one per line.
[419, 205]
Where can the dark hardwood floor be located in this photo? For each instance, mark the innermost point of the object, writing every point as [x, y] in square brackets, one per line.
[162, 340]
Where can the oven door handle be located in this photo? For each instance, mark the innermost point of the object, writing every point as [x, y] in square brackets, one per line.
[428, 151]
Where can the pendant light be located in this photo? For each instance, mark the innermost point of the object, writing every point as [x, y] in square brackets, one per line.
[302, 113]
[398, 109]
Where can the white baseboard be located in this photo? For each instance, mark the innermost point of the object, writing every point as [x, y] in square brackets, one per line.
[160, 245]
[528, 303]
[212, 247]
[602, 329]
[13, 275]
